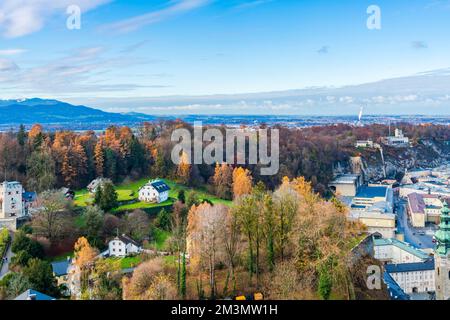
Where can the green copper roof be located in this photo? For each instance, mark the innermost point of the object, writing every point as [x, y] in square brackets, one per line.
[443, 234]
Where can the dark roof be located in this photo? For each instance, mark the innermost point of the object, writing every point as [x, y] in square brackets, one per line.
[33, 295]
[395, 291]
[371, 192]
[60, 268]
[125, 239]
[410, 267]
[160, 185]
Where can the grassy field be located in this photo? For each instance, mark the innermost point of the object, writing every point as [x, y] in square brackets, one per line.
[129, 191]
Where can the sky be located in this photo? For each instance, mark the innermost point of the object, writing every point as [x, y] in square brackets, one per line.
[229, 56]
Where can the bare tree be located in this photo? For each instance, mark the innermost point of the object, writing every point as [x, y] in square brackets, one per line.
[53, 219]
[206, 231]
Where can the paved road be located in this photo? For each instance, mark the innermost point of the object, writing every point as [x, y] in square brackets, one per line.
[9, 255]
[412, 235]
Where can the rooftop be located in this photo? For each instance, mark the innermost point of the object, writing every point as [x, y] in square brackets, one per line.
[126, 239]
[410, 267]
[371, 192]
[346, 179]
[33, 295]
[160, 185]
[402, 245]
[60, 268]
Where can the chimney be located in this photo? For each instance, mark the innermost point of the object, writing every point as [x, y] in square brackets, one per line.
[32, 296]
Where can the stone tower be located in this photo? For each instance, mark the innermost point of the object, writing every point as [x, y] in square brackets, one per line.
[442, 256]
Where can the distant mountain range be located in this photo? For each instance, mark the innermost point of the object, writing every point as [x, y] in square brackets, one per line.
[44, 111]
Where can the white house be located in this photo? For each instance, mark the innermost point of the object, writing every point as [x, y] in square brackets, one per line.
[364, 144]
[155, 191]
[11, 204]
[418, 277]
[398, 140]
[122, 246]
[394, 251]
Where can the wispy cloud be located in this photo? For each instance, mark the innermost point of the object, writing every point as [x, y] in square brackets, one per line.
[419, 45]
[22, 17]
[11, 52]
[175, 8]
[324, 50]
[251, 4]
[7, 65]
[80, 71]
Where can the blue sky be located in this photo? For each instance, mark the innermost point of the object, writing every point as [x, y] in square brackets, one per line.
[128, 52]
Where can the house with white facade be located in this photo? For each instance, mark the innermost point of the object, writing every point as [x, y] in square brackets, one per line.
[156, 191]
[373, 206]
[393, 251]
[122, 246]
[424, 208]
[398, 140]
[12, 205]
[418, 277]
[364, 144]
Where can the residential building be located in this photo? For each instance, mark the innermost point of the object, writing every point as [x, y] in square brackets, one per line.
[395, 292]
[373, 206]
[364, 144]
[442, 256]
[417, 277]
[95, 184]
[122, 246]
[424, 208]
[393, 251]
[156, 191]
[346, 185]
[398, 140]
[61, 272]
[11, 204]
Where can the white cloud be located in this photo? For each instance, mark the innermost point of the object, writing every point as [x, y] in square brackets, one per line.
[7, 65]
[177, 7]
[11, 52]
[22, 17]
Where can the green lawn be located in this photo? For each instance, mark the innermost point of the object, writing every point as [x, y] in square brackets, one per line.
[127, 262]
[130, 191]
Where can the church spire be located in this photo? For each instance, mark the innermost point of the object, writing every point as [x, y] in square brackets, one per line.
[443, 235]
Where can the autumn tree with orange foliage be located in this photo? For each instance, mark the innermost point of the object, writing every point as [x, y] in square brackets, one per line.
[242, 182]
[223, 181]
[184, 169]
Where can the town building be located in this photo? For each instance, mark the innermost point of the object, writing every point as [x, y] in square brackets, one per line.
[398, 140]
[442, 256]
[122, 246]
[61, 273]
[346, 185]
[12, 207]
[156, 191]
[416, 277]
[395, 292]
[424, 208]
[364, 144]
[373, 205]
[393, 251]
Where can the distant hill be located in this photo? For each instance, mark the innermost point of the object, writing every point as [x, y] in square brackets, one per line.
[30, 111]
